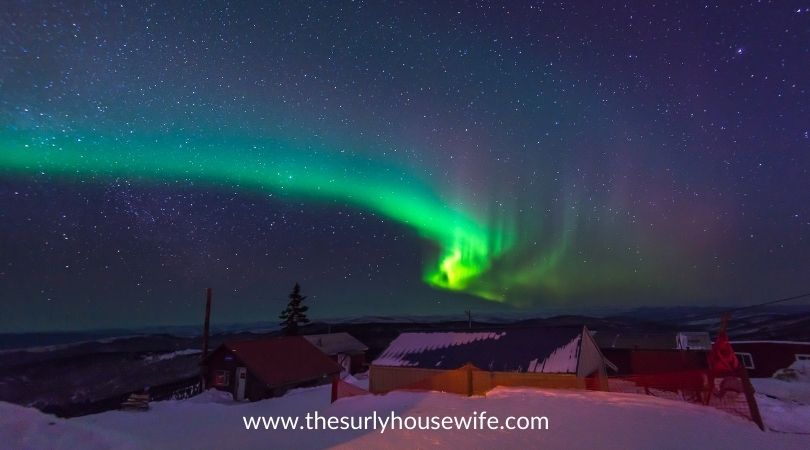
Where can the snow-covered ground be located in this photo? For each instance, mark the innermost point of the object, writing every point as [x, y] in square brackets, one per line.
[171, 355]
[577, 419]
[783, 390]
[27, 428]
[785, 398]
[785, 416]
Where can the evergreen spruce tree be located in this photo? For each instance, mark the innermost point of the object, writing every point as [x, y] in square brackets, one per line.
[295, 313]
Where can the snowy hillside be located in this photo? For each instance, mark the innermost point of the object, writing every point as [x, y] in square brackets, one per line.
[577, 419]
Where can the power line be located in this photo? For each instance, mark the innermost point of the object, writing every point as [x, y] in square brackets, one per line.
[741, 308]
[786, 299]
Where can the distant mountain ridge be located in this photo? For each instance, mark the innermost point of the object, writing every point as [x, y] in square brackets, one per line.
[676, 316]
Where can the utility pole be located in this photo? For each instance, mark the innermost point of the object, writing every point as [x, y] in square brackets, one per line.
[207, 323]
[469, 318]
[206, 326]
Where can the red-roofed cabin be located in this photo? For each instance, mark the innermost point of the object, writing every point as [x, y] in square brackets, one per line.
[264, 368]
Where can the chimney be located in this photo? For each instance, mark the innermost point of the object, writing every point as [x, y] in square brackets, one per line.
[207, 322]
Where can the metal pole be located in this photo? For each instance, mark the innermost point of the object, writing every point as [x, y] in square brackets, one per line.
[207, 322]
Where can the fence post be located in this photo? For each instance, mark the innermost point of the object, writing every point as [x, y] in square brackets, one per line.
[710, 377]
[752, 400]
[469, 380]
[335, 381]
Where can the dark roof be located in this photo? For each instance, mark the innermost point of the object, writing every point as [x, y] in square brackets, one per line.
[335, 343]
[636, 340]
[549, 350]
[282, 360]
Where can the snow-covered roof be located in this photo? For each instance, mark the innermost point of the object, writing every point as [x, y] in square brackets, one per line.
[547, 350]
[771, 342]
[334, 343]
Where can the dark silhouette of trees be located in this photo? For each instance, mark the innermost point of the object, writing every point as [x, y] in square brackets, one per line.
[295, 314]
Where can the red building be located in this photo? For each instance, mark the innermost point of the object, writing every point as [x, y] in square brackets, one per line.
[644, 353]
[343, 348]
[764, 358]
[267, 368]
[647, 362]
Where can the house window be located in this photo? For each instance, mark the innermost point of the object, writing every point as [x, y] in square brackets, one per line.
[746, 360]
[222, 378]
[802, 357]
[694, 342]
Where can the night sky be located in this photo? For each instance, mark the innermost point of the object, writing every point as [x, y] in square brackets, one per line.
[398, 158]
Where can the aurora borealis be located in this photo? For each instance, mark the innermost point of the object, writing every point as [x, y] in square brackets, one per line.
[397, 158]
[465, 245]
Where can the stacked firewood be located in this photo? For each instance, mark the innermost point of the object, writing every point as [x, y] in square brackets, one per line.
[136, 402]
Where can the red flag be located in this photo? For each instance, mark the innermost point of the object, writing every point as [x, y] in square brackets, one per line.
[722, 359]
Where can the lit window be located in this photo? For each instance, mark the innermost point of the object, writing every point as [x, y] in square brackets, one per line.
[746, 360]
[222, 378]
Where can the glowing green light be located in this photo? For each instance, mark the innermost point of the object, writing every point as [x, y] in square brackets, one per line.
[467, 244]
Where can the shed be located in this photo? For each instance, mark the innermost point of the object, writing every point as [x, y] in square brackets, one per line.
[265, 368]
[474, 362]
[764, 358]
[343, 348]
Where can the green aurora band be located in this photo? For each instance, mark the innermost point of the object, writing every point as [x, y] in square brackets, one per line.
[467, 245]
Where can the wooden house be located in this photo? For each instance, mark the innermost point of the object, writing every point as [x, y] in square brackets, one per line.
[476, 361]
[654, 352]
[265, 368]
[764, 358]
[343, 348]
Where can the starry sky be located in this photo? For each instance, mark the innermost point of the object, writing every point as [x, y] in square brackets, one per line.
[398, 157]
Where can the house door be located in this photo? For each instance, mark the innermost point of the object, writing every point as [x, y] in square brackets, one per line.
[241, 381]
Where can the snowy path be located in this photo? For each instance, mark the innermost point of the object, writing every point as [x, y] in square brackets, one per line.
[577, 419]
